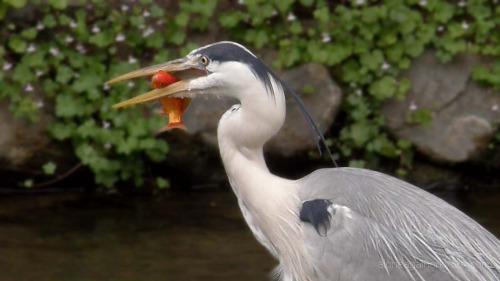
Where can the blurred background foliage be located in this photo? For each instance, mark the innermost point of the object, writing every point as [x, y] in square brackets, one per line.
[56, 55]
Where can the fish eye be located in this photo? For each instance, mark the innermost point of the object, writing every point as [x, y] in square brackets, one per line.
[204, 60]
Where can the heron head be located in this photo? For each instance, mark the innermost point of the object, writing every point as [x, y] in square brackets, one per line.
[223, 68]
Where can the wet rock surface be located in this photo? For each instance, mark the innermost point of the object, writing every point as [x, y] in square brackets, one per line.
[464, 114]
[20, 140]
[25, 145]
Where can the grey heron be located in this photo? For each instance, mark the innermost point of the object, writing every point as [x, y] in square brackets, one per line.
[335, 223]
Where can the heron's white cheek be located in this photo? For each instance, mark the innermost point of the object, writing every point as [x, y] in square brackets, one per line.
[205, 85]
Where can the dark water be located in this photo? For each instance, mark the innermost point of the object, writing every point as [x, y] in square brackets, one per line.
[183, 236]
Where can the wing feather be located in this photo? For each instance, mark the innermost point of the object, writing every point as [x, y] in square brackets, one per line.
[400, 226]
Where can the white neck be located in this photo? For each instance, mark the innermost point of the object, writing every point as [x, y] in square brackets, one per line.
[269, 203]
[244, 129]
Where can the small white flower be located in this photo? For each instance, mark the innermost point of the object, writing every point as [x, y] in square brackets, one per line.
[462, 3]
[107, 146]
[7, 66]
[124, 8]
[413, 106]
[325, 37]
[28, 88]
[148, 32]
[241, 2]
[40, 104]
[291, 17]
[38, 73]
[54, 51]
[274, 13]
[132, 59]
[81, 49]
[440, 28]
[69, 39]
[31, 48]
[385, 66]
[146, 14]
[120, 38]
[465, 25]
[96, 29]
[494, 107]
[360, 2]
[72, 24]
[131, 84]
[422, 3]
[359, 92]
[105, 87]
[40, 26]
[106, 124]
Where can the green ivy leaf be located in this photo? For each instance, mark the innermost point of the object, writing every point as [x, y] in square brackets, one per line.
[3, 10]
[162, 183]
[382, 145]
[49, 21]
[69, 105]
[61, 131]
[16, 3]
[384, 88]
[102, 39]
[64, 74]
[17, 44]
[29, 33]
[49, 168]
[28, 183]
[307, 3]
[59, 4]
[229, 20]
[443, 11]
[357, 163]
[360, 133]
[372, 60]
[421, 116]
[322, 14]
[182, 19]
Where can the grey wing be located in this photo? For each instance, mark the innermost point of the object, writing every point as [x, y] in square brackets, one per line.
[382, 228]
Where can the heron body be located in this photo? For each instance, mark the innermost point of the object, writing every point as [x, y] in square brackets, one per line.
[334, 224]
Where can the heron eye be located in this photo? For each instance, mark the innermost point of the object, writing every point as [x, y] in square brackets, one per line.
[204, 60]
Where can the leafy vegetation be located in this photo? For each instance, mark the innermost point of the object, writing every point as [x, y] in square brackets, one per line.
[61, 54]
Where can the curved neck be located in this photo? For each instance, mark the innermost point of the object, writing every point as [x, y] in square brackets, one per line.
[268, 202]
[244, 129]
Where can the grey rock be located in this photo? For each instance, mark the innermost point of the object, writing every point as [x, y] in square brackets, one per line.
[431, 177]
[20, 140]
[323, 103]
[463, 113]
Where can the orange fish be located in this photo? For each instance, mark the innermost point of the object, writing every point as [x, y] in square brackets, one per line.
[174, 108]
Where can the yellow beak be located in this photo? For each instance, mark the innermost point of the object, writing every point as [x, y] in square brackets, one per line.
[175, 88]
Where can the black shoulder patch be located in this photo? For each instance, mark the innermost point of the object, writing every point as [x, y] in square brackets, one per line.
[316, 213]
